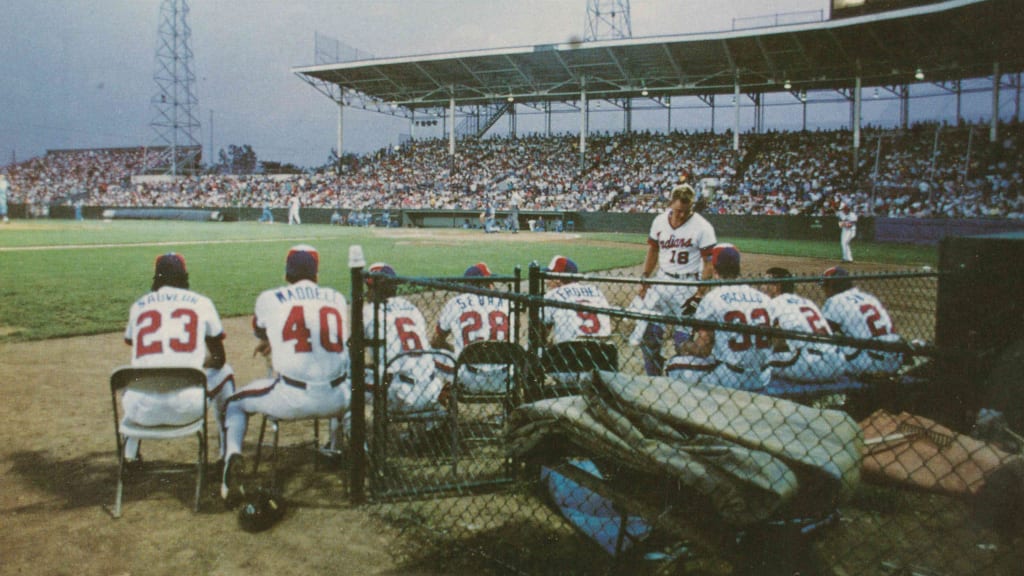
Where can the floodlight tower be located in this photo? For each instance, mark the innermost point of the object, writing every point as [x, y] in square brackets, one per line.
[176, 148]
[608, 20]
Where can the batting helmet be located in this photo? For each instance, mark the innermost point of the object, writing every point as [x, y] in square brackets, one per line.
[381, 286]
[836, 279]
[303, 263]
[260, 511]
[562, 264]
[170, 270]
[478, 270]
[726, 260]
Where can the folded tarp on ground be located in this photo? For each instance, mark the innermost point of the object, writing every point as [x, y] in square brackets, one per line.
[749, 455]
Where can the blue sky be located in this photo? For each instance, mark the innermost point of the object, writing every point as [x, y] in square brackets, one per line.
[80, 74]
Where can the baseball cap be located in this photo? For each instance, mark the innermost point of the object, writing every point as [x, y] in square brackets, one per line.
[303, 262]
[837, 278]
[478, 270]
[170, 264]
[562, 264]
[726, 259]
[380, 268]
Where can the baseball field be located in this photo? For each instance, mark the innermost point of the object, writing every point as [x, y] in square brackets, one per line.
[66, 288]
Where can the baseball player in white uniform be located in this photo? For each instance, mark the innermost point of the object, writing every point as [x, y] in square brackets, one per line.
[469, 318]
[171, 326]
[721, 357]
[852, 312]
[304, 328]
[564, 324]
[412, 382]
[679, 247]
[799, 360]
[293, 210]
[4, 187]
[847, 230]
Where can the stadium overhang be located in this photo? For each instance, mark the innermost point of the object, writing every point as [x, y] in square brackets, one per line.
[940, 42]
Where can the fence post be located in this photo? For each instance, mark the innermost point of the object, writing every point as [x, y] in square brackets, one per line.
[357, 363]
[536, 288]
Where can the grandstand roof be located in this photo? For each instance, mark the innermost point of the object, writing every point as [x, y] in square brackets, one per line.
[948, 41]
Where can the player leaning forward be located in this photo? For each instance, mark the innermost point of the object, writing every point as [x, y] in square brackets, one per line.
[173, 327]
[679, 248]
[303, 327]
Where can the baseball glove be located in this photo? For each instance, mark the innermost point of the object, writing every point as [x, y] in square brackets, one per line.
[260, 511]
[690, 306]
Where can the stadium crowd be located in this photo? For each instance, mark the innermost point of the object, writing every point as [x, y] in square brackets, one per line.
[929, 170]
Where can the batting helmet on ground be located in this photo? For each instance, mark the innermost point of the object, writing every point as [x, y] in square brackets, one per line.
[260, 510]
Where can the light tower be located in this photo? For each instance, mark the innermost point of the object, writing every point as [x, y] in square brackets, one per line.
[176, 147]
[608, 20]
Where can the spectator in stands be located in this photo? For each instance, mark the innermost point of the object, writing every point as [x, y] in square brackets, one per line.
[852, 312]
[719, 356]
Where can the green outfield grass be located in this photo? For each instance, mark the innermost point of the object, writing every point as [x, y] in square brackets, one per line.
[64, 278]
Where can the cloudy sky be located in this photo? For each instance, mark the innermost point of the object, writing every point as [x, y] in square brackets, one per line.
[79, 74]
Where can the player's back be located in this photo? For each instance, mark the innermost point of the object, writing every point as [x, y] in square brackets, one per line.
[168, 328]
[575, 324]
[307, 326]
[473, 317]
[860, 315]
[403, 327]
[738, 304]
[798, 314]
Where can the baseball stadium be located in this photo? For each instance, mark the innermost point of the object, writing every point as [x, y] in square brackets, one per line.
[502, 346]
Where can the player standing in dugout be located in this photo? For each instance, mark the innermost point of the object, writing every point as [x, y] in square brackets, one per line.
[679, 247]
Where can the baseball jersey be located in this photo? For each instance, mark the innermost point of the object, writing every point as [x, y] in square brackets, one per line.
[169, 327]
[575, 324]
[848, 220]
[471, 318]
[307, 326]
[798, 314]
[404, 329]
[739, 304]
[680, 249]
[859, 315]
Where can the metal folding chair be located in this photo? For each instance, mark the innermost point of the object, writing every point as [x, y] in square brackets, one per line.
[158, 381]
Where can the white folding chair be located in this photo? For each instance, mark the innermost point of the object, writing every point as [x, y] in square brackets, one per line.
[158, 381]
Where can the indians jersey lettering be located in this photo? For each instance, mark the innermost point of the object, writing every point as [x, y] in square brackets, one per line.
[307, 326]
[576, 324]
[680, 249]
[471, 318]
[738, 305]
[169, 328]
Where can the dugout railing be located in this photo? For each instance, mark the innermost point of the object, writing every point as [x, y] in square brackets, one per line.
[631, 473]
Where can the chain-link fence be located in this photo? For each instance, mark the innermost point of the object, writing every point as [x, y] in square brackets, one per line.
[556, 424]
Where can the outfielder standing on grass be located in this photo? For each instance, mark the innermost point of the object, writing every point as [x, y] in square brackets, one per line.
[679, 248]
[304, 327]
[172, 327]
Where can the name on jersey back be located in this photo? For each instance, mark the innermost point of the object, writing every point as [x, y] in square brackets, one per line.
[743, 297]
[293, 293]
[161, 296]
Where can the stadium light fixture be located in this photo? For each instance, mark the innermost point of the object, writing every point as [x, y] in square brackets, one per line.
[787, 85]
[643, 92]
[511, 99]
[919, 74]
